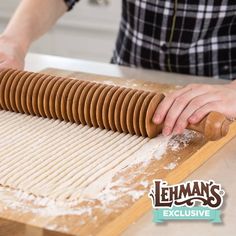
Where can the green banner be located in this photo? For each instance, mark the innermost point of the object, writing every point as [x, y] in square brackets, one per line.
[186, 213]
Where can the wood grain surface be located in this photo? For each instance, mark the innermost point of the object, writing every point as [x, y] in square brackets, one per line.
[189, 158]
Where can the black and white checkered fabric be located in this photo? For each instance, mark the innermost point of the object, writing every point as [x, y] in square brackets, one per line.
[195, 37]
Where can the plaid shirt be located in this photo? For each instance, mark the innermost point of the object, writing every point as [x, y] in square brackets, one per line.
[191, 37]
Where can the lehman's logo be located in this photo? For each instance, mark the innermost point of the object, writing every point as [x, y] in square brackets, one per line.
[193, 200]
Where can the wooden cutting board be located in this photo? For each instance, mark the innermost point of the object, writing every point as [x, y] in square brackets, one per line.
[124, 210]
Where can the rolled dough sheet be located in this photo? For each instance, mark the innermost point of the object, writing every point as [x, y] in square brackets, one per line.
[59, 160]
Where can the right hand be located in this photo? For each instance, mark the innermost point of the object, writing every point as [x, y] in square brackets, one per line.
[11, 55]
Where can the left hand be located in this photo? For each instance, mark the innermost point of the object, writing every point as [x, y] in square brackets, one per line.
[11, 54]
[192, 103]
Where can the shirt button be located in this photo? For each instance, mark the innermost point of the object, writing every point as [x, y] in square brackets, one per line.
[226, 68]
[164, 47]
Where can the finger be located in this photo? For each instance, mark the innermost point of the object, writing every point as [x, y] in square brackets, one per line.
[2, 59]
[178, 107]
[193, 106]
[3, 65]
[199, 114]
[166, 103]
[7, 64]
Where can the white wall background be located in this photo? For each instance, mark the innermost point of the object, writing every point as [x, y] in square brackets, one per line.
[87, 32]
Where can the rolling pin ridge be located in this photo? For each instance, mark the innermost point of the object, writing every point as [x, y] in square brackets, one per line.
[86, 103]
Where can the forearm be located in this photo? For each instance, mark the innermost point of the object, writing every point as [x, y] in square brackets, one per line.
[32, 19]
[233, 84]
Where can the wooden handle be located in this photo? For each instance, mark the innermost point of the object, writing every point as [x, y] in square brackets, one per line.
[214, 126]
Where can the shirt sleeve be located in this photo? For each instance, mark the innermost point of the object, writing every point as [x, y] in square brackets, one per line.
[70, 3]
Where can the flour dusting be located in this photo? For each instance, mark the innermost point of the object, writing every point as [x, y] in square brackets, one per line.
[181, 141]
[154, 149]
[106, 189]
[170, 166]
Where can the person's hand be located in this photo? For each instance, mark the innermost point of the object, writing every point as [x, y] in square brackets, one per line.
[192, 103]
[11, 55]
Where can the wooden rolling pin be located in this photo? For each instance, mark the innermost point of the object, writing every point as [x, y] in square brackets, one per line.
[111, 107]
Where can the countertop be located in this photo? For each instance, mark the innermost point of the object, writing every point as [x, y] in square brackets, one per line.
[221, 167]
